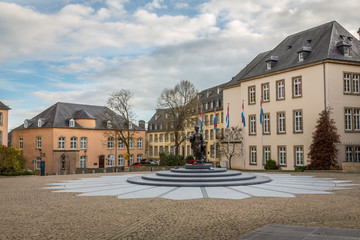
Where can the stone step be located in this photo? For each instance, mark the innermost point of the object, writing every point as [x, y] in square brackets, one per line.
[202, 174]
[199, 178]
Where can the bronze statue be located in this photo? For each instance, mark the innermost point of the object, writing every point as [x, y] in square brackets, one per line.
[198, 146]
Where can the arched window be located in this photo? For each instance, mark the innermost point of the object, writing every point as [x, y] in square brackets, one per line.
[83, 162]
[72, 123]
[109, 124]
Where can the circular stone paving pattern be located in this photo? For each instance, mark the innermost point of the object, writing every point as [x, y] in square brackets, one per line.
[281, 185]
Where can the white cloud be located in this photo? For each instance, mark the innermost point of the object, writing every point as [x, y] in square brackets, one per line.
[155, 4]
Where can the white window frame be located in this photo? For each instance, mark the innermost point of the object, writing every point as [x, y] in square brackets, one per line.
[252, 125]
[299, 155]
[253, 154]
[281, 123]
[139, 143]
[252, 95]
[282, 155]
[298, 121]
[39, 123]
[301, 56]
[83, 143]
[110, 160]
[138, 157]
[280, 88]
[21, 143]
[72, 123]
[297, 87]
[265, 92]
[121, 160]
[110, 144]
[268, 65]
[356, 83]
[38, 142]
[83, 162]
[1, 118]
[266, 124]
[73, 143]
[131, 143]
[357, 153]
[267, 153]
[131, 161]
[61, 142]
[356, 119]
[348, 120]
[347, 83]
[349, 154]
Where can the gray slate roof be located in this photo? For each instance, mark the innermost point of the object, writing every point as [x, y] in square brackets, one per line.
[59, 114]
[323, 41]
[3, 106]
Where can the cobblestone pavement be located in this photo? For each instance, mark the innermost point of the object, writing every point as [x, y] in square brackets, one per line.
[29, 212]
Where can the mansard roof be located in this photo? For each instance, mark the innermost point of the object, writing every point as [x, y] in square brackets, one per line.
[59, 115]
[3, 106]
[321, 42]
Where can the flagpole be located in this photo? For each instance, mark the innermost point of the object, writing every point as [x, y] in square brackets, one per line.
[227, 125]
[215, 137]
[244, 153]
[262, 147]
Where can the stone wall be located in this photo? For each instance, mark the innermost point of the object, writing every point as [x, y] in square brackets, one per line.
[351, 167]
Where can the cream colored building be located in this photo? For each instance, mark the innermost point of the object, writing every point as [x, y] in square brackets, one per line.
[306, 72]
[4, 122]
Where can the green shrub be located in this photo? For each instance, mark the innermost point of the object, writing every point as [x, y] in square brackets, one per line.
[271, 165]
[300, 168]
[11, 160]
[18, 173]
[170, 160]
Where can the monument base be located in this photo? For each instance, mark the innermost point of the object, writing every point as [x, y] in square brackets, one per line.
[199, 166]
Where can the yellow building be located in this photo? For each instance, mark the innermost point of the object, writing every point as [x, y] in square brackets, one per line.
[75, 138]
[4, 122]
[306, 72]
[161, 137]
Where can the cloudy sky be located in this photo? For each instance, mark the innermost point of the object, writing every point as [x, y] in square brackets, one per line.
[80, 51]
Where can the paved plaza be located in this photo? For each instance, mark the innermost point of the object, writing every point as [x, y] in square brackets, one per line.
[313, 199]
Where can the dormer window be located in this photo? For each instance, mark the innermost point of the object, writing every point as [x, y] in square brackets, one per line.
[166, 115]
[156, 117]
[109, 124]
[303, 52]
[207, 94]
[26, 124]
[130, 125]
[343, 48]
[72, 123]
[39, 123]
[218, 90]
[271, 62]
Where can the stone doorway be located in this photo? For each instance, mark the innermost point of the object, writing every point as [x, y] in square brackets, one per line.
[101, 161]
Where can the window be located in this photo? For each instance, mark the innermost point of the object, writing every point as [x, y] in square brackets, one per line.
[83, 162]
[166, 137]
[265, 92]
[252, 125]
[121, 160]
[150, 138]
[110, 160]
[110, 143]
[131, 159]
[155, 137]
[83, 143]
[347, 83]
[26, 124]
[188, 150]
[301, 56]
[73, 143]
[348, 120]
[166, 150]
[38, 142]
[172, 137]
[61, 143]
[131, 143]
[253, 155]
[156, 152]
[139, 143]
[211, 119]
[346, 51]
[297, 89]
[352, 154]
[206, 134]
[211, 105]
[298, 125]
[267, 154]
[172, 150]
[72, 123]
[212, 151]
[252, 97]
[352, 119]
[299, 155]
[120, 144]
[280, 90]
[1, 138]
[139, 157]
[282, 155]
[281, 123]
[21, 142]
[212, 134]
[356, 83]
[268, 65]
[38, 163]
[206, 120]
[161, 149]
[266, 124]
[161, 137]
[151, 151]
[357, 119]
[39, 123]
[109, 124]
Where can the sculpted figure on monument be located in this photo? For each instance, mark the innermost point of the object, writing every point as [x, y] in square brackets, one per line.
[198, 146]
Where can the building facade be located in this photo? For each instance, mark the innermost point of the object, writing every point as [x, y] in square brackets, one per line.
[70, 137]
[299, 78]
[4, 122]
[161, 136]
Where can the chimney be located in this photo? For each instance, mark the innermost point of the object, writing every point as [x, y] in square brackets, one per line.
[142, 124]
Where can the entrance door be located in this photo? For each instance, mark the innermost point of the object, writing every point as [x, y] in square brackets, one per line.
[102, 161]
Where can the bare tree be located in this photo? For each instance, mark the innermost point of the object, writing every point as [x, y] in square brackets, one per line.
[180, 103]
[121, 118]
[233, 147]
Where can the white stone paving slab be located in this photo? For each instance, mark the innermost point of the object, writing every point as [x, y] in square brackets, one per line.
[282, 185]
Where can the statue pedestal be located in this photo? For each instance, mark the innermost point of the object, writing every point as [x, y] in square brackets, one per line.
[200, 166]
